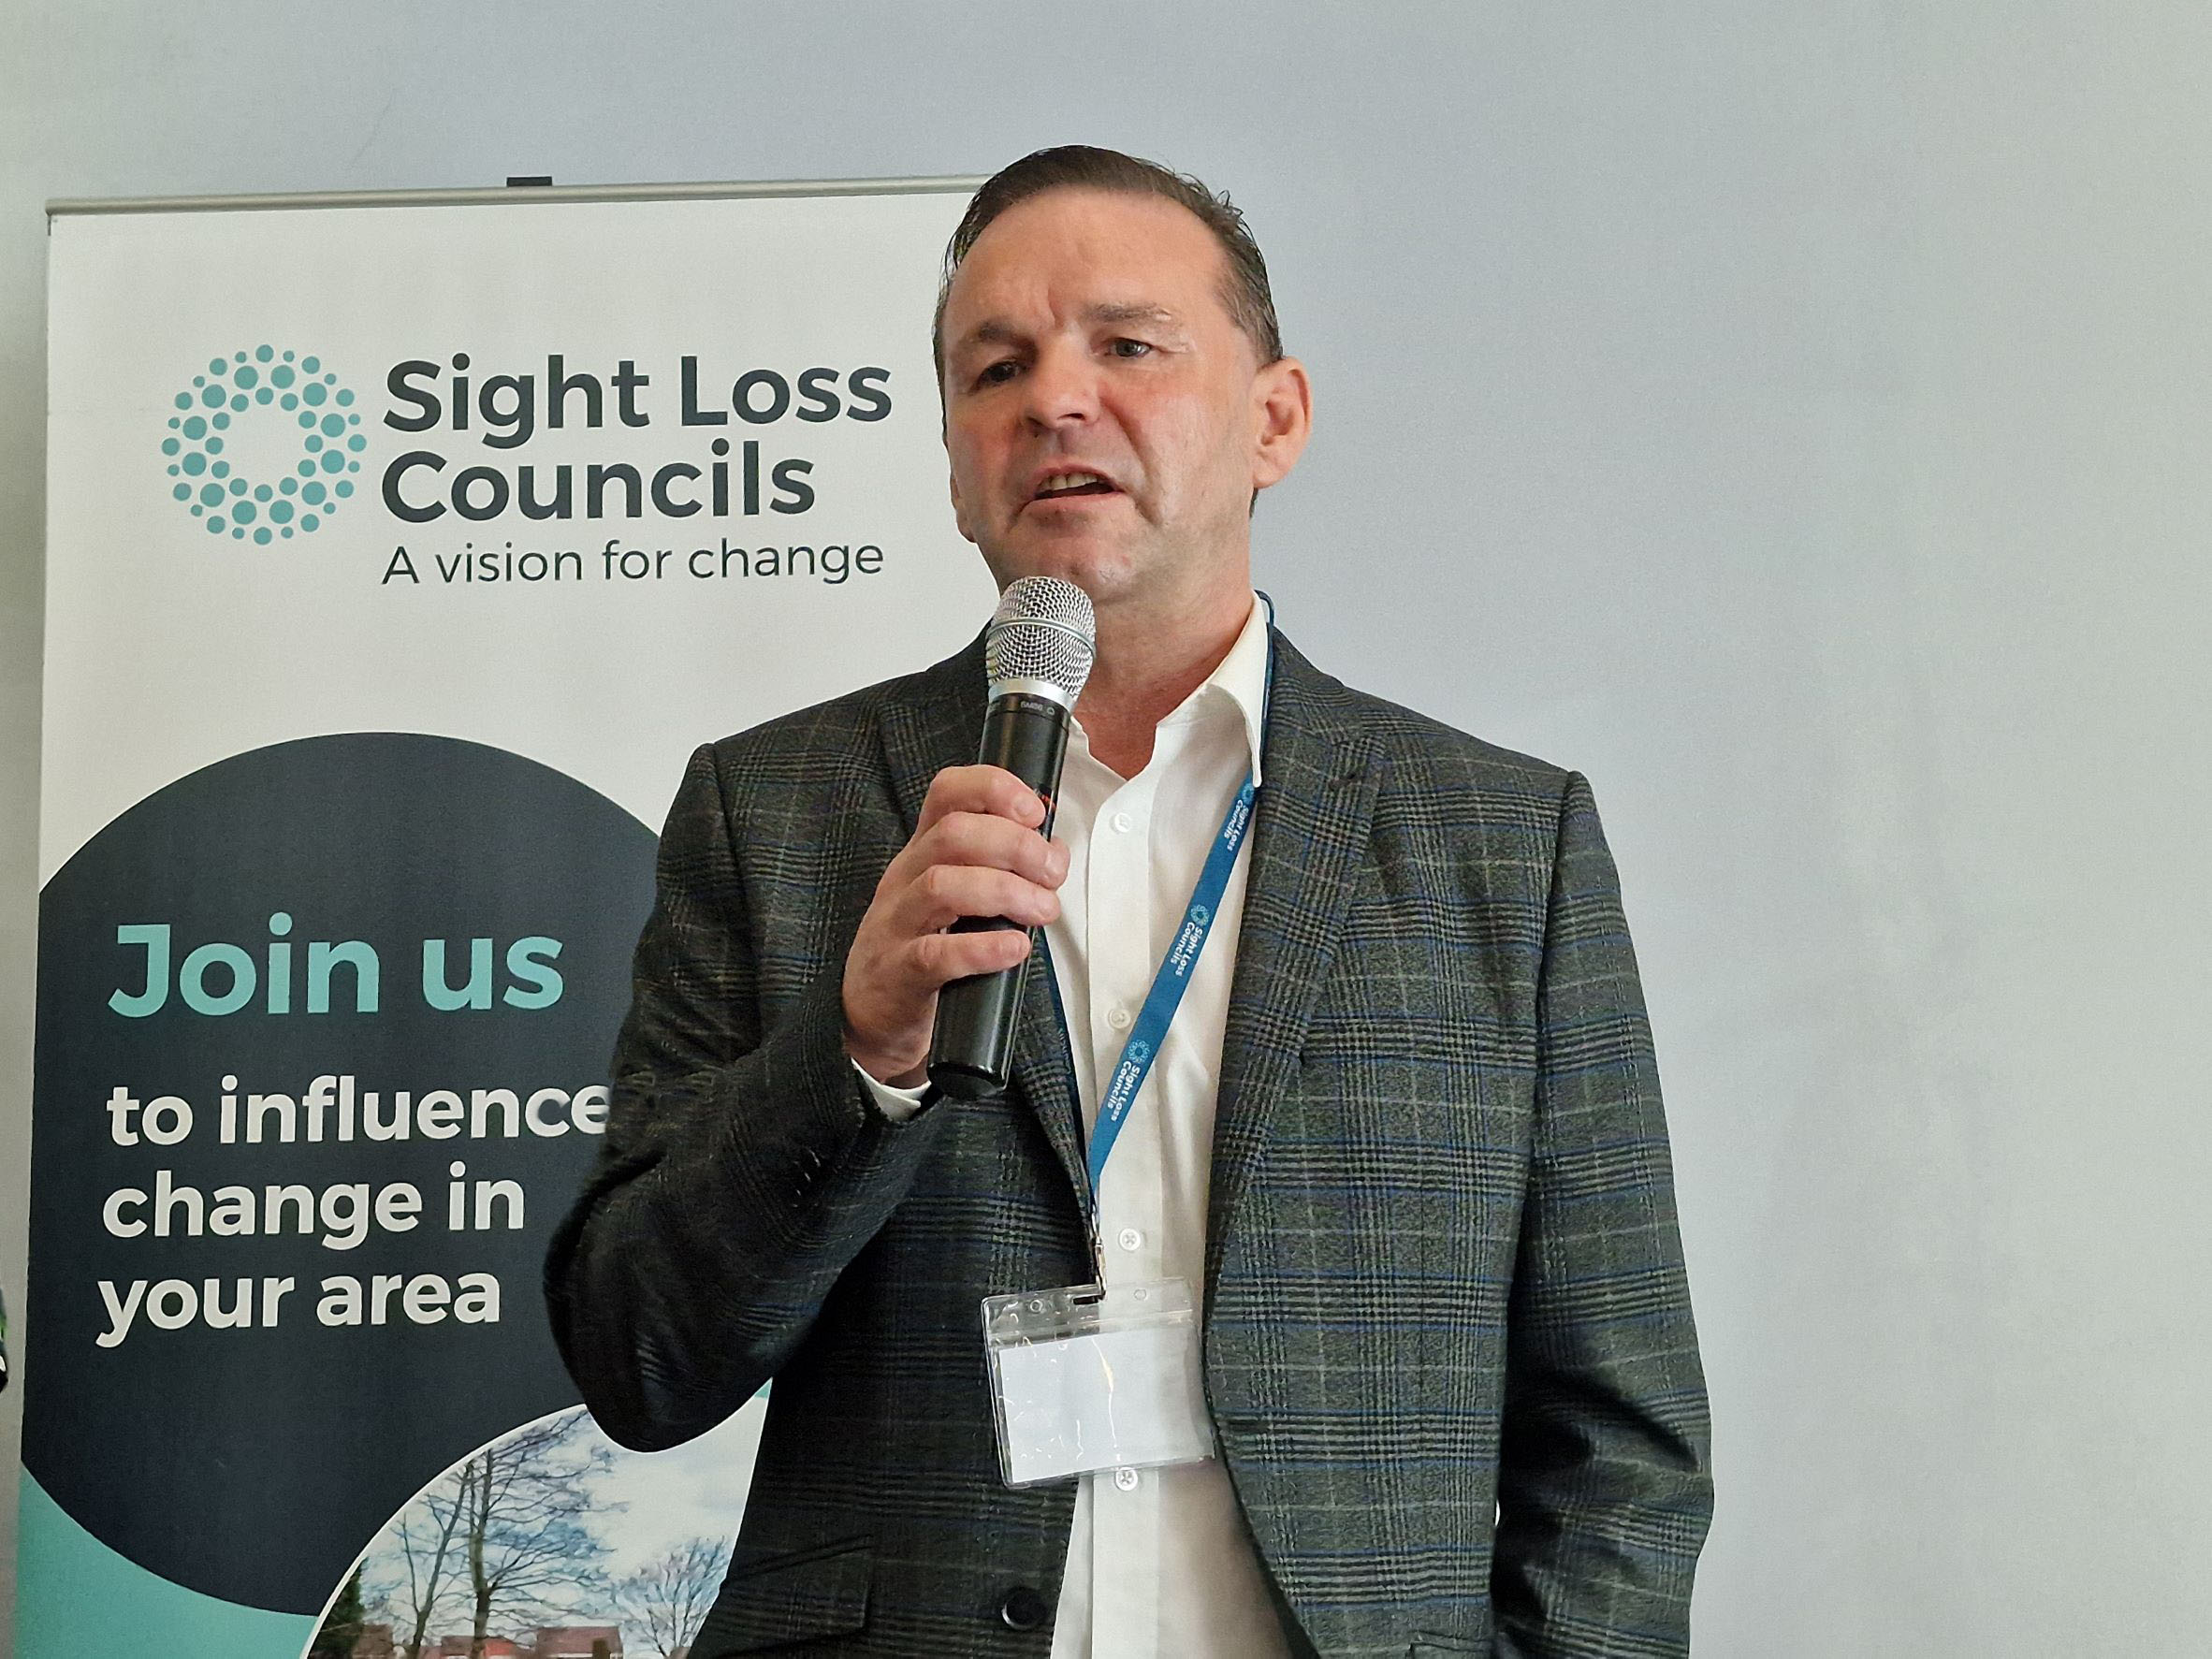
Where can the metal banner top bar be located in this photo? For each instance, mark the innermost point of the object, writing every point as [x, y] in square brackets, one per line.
[510, 193]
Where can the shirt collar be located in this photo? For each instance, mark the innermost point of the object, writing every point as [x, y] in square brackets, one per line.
[1241, 677]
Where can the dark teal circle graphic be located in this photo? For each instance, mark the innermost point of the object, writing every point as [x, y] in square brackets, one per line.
[251, 1464]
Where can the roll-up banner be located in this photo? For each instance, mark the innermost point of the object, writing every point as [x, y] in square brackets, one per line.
[399, 552]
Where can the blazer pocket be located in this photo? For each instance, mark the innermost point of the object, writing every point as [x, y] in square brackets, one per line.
[1428, 1644]
[770, 1600]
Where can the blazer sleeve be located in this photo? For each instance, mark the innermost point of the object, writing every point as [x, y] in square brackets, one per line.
[1603, 1486]
[743, 1166]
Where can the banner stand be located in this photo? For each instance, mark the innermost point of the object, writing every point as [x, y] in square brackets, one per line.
[401, 546]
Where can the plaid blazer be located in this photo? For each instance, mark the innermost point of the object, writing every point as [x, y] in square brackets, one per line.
[1447, 1338]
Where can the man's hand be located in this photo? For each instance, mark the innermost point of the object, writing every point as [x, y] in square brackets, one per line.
[975, 853]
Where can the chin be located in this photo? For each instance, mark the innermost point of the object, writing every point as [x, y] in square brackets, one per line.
[1099, 572]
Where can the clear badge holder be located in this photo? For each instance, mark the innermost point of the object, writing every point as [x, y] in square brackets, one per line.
[1096, 1378]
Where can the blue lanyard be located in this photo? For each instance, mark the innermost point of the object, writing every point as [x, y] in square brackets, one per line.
[1142, 1047]
[1168, 985]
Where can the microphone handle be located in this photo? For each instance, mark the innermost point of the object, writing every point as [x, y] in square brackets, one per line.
[971, 1047]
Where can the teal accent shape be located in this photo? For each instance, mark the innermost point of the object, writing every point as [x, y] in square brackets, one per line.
[76, 1596]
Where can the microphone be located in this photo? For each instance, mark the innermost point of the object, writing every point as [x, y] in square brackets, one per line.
[1037, 654]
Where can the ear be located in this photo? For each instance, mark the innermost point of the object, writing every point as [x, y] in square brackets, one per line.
[1282, 419]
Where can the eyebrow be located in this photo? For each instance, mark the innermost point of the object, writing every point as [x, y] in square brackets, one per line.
[1130, 313]
[998, 331]
[993, 331]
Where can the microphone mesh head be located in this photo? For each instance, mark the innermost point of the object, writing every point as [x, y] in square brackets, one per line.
[1043, 629]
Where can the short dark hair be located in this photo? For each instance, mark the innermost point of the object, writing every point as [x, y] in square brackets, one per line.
[1084, 167]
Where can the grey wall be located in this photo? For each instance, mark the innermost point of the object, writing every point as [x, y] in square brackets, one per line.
[1793, 417]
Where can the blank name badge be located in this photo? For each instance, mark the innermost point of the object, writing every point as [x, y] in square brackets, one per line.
[1096, 1378]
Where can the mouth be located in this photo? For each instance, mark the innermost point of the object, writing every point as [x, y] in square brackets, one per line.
[1071, 484]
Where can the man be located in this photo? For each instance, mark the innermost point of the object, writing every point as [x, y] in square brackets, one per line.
[1403, 1137]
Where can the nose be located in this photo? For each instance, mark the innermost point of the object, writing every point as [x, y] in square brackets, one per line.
[1063, 386]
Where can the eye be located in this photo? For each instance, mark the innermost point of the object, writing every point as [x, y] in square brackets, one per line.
[998, 373]
[1131, 348]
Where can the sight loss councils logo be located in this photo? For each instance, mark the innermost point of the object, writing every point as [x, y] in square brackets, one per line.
[289, 423]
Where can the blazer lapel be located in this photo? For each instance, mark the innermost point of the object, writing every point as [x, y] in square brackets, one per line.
[1320, 770]
[935, 725]
[922, 733]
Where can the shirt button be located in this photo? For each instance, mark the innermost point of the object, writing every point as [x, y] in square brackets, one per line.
[1124, 823]
[1129, 1239]
[1126, 1479]
[1118, 1017]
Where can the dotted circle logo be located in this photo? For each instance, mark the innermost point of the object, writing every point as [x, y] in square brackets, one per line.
[263, 385]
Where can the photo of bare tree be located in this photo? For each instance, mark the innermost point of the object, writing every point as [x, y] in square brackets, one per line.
[665, 1599]
[549, 1543]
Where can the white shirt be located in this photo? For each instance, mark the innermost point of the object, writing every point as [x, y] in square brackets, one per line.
[1159, 1564]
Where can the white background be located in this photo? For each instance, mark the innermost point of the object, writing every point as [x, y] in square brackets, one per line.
[1792, 415]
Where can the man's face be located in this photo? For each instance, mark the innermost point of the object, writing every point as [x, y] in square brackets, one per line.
[1105, 419]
